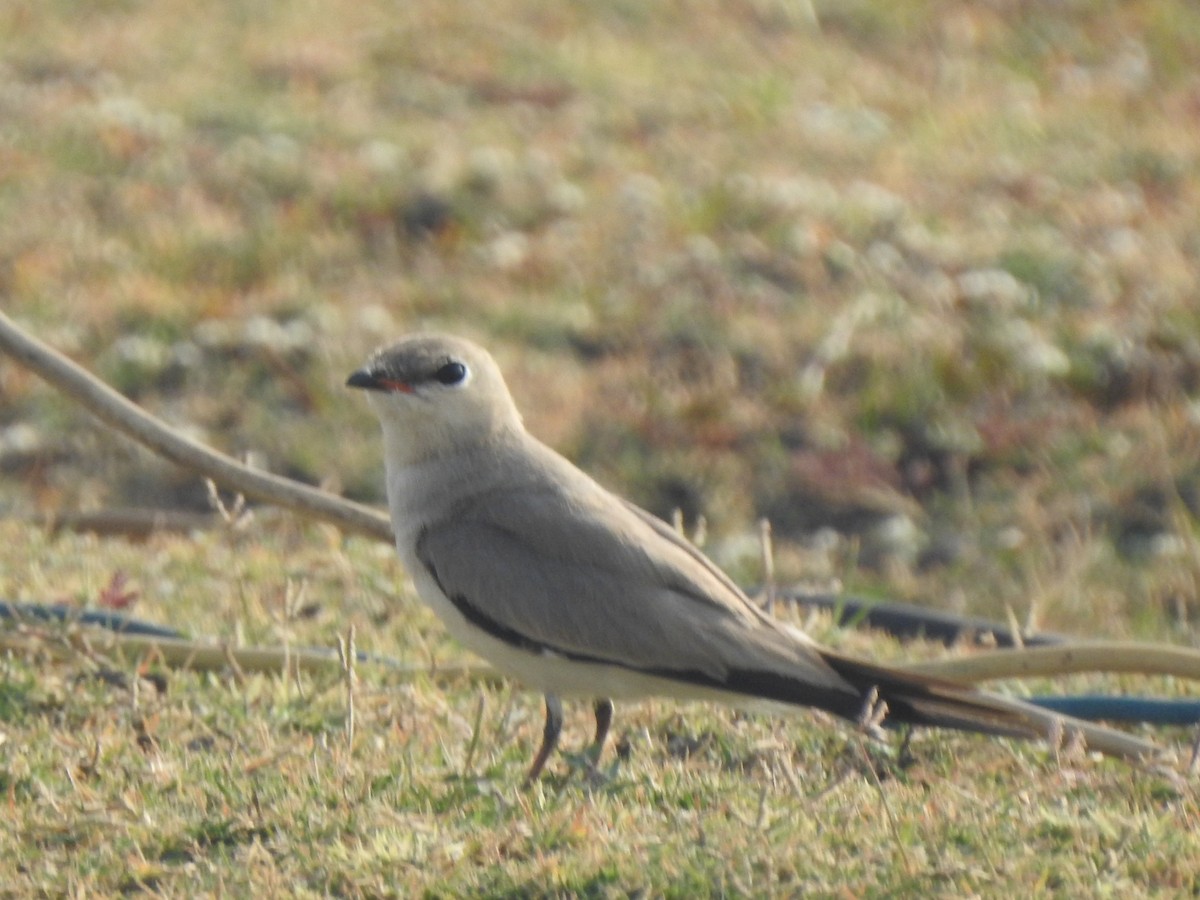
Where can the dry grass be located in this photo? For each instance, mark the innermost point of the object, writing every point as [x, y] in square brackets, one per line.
[247, 784]
[921, 275]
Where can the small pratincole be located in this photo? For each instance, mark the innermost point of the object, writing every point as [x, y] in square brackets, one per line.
[578, 593]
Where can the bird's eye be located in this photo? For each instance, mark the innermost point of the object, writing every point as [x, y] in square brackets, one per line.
[451, 373]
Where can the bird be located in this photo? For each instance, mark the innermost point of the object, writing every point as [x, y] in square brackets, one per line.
[576, 592]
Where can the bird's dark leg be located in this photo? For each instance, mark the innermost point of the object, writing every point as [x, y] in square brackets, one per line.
[604, 713]
[550, 733]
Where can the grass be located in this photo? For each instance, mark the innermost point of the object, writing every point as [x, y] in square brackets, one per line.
[221, 784]
[920, 275]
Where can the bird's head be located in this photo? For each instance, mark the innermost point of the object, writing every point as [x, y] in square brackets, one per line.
[434, 394]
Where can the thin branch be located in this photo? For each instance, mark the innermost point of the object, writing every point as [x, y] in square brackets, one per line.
[209, 656]
[347, 655]
[132, 523]
[768, 565]
[114, 409]
[1085, 656]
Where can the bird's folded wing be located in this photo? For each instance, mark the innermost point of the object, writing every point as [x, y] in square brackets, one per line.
[597, 581]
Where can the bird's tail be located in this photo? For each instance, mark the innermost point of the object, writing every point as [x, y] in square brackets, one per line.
[916, 699]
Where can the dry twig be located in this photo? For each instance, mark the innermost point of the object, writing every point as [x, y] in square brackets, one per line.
[130, 419]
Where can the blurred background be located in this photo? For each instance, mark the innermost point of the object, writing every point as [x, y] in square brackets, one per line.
[917, 282]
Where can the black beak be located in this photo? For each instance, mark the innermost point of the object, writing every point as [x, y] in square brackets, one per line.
[365, 379]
